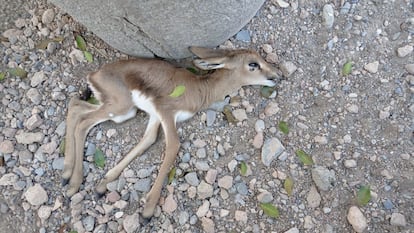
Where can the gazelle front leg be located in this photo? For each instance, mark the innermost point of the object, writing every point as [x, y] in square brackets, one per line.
[171, 150]
[76, 109]
[150, 136]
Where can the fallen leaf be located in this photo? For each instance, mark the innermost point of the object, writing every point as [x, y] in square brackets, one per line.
[43, 44]
[93, 100]
[88, 56]
[363, 195]
[178, 91]
[270, 210]
[283, 127]
[171, 175]
[243, 168]
[2, 76]
[267, 91]
[229, 115]
[18, 72]
[99, 158]
[347, 68]
[304, 158]
[80, 42]
[288, 185]
[62, 146]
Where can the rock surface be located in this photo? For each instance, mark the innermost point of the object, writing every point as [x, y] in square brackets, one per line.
[162, 28]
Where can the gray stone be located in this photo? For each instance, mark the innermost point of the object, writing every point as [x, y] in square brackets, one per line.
[271, 149]
[243, 36]
[204, 190]
[328, 15]
[201, 153]
[225, 182]
[313, 198]
[323, 178]
[357, 219]
[202, 165]
[34, 95]
[242, 188]
[90, 149]
[192, 179]
[88, 223]
[183, 217]
[398, 219]
[25, 157]
[8, 179]
[131, 223]
[57, 163]
[143, 185]
[288, 68]
[48, 16]
[36, 195]
[143, 28]
[210, 117]
[6, 147]
[29, 138]
[37, 79]
[33, 122]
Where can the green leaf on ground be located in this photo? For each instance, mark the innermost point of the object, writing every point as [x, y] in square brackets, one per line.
[243, 168]
[283, 127]
[266, 91]
[18, 72]
[99, 158]
[80, 42]
[270, 210]
[229, 114]
[62, 146]
[2, 76]
[304, 158]
[347, 68]
[288, 185]
[88, 56]
[171, 175]
[178, 91]
[363, 195]
[44, 43]
[93, 100]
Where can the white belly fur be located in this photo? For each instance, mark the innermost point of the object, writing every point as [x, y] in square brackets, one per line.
[145, 104]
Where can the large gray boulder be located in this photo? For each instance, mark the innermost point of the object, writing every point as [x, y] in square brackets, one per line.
[161, 27]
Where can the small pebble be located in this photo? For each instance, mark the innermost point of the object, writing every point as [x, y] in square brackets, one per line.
[357, 219]
[404, 51]
[350, 163]
[398, 219]
[328, 15]
[372, 67]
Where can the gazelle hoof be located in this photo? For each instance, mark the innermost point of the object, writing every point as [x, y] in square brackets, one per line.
[65, 182]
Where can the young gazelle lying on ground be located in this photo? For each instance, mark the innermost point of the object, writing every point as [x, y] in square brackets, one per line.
[146, 84]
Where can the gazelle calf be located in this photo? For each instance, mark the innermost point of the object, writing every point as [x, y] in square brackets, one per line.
[146, 84]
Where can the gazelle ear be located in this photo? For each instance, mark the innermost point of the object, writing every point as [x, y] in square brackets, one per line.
[206, 52]
[210, 63]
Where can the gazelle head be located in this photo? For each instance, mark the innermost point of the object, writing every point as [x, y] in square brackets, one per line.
[248, 65]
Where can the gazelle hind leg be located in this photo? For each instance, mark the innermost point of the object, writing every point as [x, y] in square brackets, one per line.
[85, 123]
[150, 136]
[76, 106]
[171, 150]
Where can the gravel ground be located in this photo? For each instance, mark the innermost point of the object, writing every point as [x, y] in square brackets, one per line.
[358, 128]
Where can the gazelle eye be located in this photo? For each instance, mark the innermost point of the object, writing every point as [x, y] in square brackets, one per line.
[254, 65]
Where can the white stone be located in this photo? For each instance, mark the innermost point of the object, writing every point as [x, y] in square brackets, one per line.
[225, 182]
[321, 140]
[44, 212]
[352, 108]
[203, 209]
[211, 176]
[404, 51]
[328, 15]
[240, 216]
[287, 68]
[372, 67]
[8, 179]
[410, 68]
[208, 225]
[131, 223]
[271, 149]
[240, 114]
[398, 219]
[170, 205]
[38, 78]
[292, 230]
[350, 163]
[357, 219]
[6, 147]
[271, 109]
[314, 198]
[29, 138]
[204, 190]
[48, 16]
[36, 195]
